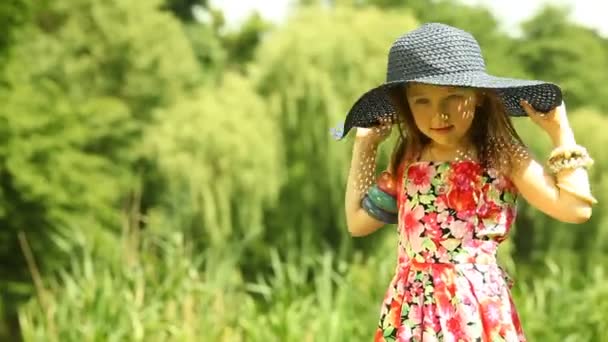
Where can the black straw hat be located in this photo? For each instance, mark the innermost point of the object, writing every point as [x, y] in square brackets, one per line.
[440, 54]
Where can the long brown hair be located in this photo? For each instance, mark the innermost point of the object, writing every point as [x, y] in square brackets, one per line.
[491, 132]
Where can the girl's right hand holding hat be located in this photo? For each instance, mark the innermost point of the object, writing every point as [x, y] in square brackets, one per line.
[374, 135]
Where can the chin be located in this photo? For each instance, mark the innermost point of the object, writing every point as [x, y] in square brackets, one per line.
[445, 141]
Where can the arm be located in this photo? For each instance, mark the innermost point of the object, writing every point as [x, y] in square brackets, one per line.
[540, 189]
[359, 222]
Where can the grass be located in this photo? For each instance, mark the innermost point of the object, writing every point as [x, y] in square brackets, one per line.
[171, 293]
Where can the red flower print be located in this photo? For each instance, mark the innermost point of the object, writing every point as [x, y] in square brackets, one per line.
[466, 172]
[442, 254]
[450, 217]
[417, 333]
[463, 201]
[489, 210]
[395, 313]
[445, 219]
[453, 323]
[413, 227]
[404, 334]
[427, 256]
[458, 228]
[379, 336]
[388, 296]
[415, 315]
[434, 232]
[491, 312]
[441, 203]
[443, 293]
[419, 178]
[412, 216]
[463, 187]
[416, 289]
[430, 219]
[433, 229]
[503, 183]
[510, 214]
[431, 319]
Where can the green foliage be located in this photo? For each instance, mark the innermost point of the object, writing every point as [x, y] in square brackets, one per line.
[78, 93]
[73, 114]
[555, 49]
[315, 67]
[241, 44]
[209, 51]
[122, 114]
[539, 235]
[220, 154]
[563, 304]
[156, 295]
[13, 15]
[183, 8]
[159, 293]
[496, 46]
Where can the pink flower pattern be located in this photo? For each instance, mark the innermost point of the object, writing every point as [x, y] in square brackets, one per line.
[447, 285]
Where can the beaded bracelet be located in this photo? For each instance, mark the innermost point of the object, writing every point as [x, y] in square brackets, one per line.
[559, 164]
[378, 213]
[571, 157]
[568, 151]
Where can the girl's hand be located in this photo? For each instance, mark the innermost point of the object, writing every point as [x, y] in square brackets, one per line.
[554, 122]
[374, 135]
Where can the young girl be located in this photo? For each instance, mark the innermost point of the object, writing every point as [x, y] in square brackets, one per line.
[453, 182]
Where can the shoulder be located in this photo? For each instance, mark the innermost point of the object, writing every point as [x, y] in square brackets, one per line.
[512, 158]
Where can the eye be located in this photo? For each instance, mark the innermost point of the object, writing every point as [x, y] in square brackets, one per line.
[456, 97]
[422, 101]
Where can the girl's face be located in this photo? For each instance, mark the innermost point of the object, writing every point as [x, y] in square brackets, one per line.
[442, 113]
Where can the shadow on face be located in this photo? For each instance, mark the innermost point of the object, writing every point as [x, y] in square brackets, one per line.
[442, 113]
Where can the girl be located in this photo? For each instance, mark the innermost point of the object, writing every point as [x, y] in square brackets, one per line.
[453, 182]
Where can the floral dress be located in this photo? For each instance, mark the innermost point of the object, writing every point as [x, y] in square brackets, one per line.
[448, 285]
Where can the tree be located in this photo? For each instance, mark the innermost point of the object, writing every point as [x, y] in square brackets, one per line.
[13, 15]
[315, 68]
[497, 46]
[184, 9]
[79, 93]
[555, 49]
[219, 155]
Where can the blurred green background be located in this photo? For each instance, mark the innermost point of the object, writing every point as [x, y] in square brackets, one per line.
[167, 177]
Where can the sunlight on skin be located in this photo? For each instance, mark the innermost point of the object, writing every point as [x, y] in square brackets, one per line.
[444, 114]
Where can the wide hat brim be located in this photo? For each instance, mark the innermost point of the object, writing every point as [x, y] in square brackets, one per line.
[375, 105]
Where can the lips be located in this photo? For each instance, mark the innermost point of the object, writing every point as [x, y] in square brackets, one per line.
[443, 129]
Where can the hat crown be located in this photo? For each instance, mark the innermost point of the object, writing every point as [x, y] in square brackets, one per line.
[433, 49]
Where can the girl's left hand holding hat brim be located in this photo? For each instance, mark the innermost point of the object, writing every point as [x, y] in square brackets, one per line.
[553, 121]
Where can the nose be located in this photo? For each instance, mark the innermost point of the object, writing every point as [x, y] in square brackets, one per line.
[444, 106]
[442, 113]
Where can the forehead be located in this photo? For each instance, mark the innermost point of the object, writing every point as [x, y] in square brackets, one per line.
[417, 89]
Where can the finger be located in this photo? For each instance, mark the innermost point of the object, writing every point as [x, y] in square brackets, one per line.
[561, 108]
[384, 127]
[528, 107]
[531, 111]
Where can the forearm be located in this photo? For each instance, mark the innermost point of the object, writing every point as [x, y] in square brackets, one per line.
[360, 177]
[573, 184]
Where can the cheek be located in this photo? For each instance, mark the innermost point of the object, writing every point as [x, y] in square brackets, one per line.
[462, 110]
[421, 118]
[464, 122]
